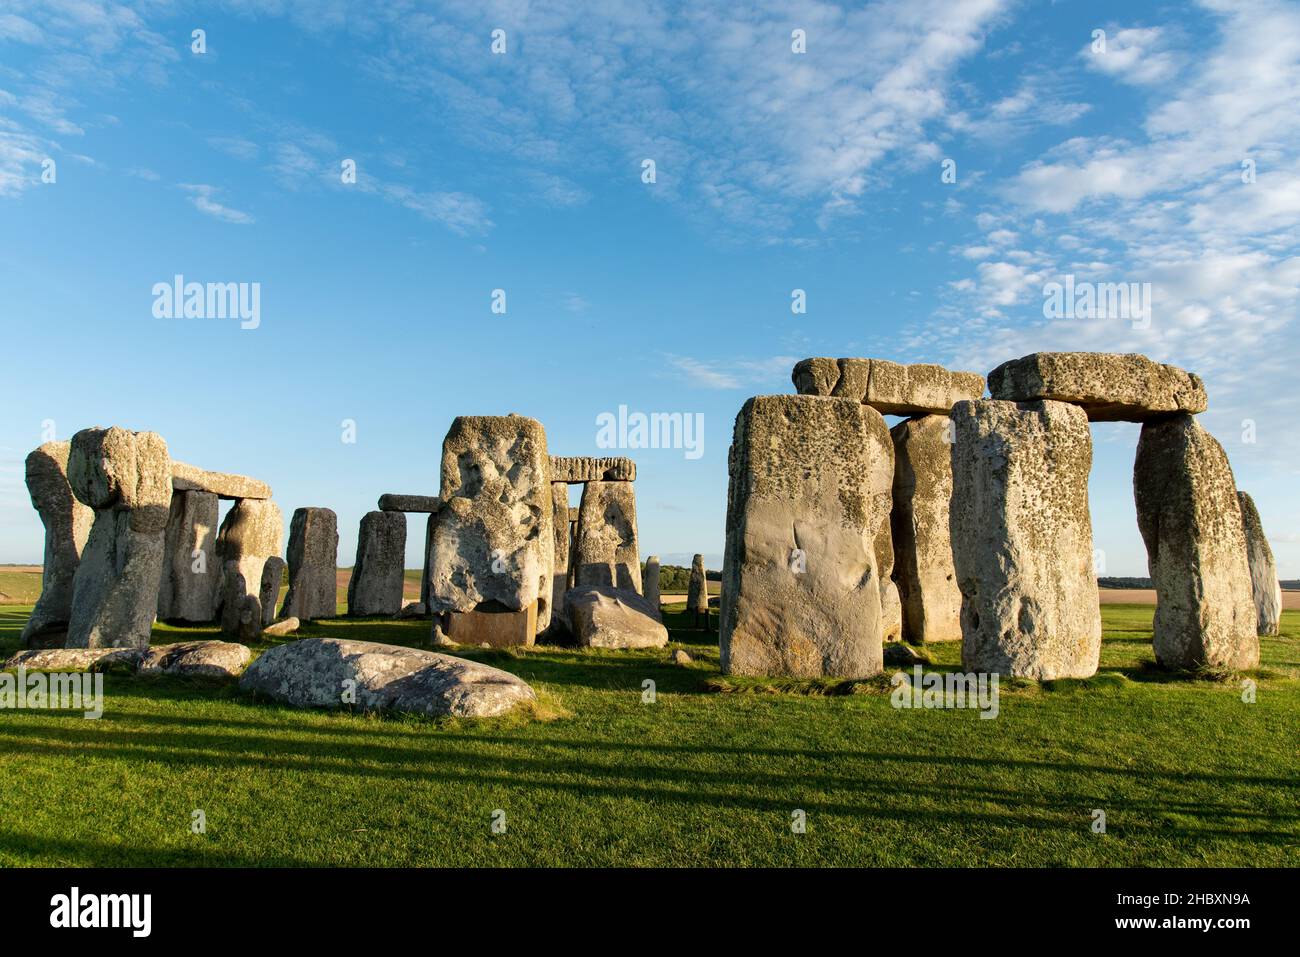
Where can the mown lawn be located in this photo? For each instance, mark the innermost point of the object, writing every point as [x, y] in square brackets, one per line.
[1186, 773]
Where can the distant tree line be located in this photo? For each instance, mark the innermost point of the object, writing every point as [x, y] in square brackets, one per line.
[677, 578]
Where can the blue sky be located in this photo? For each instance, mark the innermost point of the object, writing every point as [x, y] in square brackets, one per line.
[522, 171]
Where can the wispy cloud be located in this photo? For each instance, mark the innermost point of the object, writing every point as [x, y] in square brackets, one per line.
[201, 196]
[735, 373]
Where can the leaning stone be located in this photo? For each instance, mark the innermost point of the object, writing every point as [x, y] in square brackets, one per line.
[888, 387]
[607, 617]
[697, 587]
[375, 587]
[67, 526]
[313, 673]
[584, 468]
[281, 628]
[809, 487]
[650, 586]
[191, 578]
[1265, 587]
[250, 534]
[199, 659]
[269, 593]
[492, 539]
[1022, 539]
[313, 565]
[393, 502]
[1190, 519]
[188, 478]
[1109, 386]
[923, 569]
[77, 659]
[605, 551]
[126, 478]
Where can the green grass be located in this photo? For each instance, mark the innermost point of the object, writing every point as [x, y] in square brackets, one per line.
[1187, 773]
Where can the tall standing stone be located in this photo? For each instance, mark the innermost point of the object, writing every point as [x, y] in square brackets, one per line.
[67, 526]
[697, 588]
[250, 534]
[377, 576]
[313, 564]
[606, 551]
[1191, 521]
[126, 478]
[269, 594]
[891, 607]
[1264, 585]
[923, 569]
[493, 547]
[560, 536]
[809, 488]
[1022, 539]
[428, 559]
[650, 586]
[191, 577]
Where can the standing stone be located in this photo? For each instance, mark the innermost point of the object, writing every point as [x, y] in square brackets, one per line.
[1022, 539]
[251, 534]
[560, 536]
[313, 564]
[377, 577]
[191, 578]
[650, 586]
[269, 593]
[809, 488]
[1265, 588]
[697, 588]
[126, 478]
[428, 560]
[1191, 521]
[891, 607]
[606, 551]
[493, 547]
[923, 569]
[67, 525]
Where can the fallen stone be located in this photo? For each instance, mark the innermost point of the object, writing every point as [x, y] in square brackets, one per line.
[375, 587]
[1266, 590]
[315, 673]
[607, 617]
[1110, 387]
[281, 628]
[1190, 518]
[1022, 539]
[126, 478]
[393, 502]
[191, 575]
[697, 587]
[809, 488]
[888, 387]
[413, 609]
[605, 550]
[200, 659]
[77, 659]
[900, 654]
[269, 593]
[583, 468]
[650, 586]
[679, 657]
[313, 565]
[67, 526]
[188, 478]
[923, 569]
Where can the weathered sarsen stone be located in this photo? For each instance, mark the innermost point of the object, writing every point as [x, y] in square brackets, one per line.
[560, 551]
[650, 586]
[605, 551]
[605, 617]
[201, 659]
[375, 587]
[250, 534]
[1110, 387]
[191, 577]
[126, 478]
[492, 539]
[809, 488]
[269, 593]
[67, 526]
[888, 387]
[891, 608]
[697, 587]
[188, 478]
[1022, 539]
[393, 502]
[1190, 519]
[923, 569]
[1264, 585]
[572, 469]
[313, 564]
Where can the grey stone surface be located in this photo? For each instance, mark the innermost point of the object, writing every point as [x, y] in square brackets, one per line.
[888, 387]
[605, 617]
[191, 575]
[375, 587]
[1190, 518]
[202, 659]
[250, 534]
[269, 594]
[281, 628]
[923, 569]
[1110, 387]
[77, 659]
[315, 672]
[428, 562]
[1265, 588]
[809, 473]
[394, 502]
[126, 478]
[650, 586]
[188, 478]
[697, 587]
[492, 538]
[67, 526]
[1022, 539]
[585, 468]
[891, 607]
[313, 565]
[242, 613]
[560, 549]
[605, 550]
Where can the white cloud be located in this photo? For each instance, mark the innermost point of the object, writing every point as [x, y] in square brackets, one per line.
[731, 373]
[1137, 55]
[201, 196]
